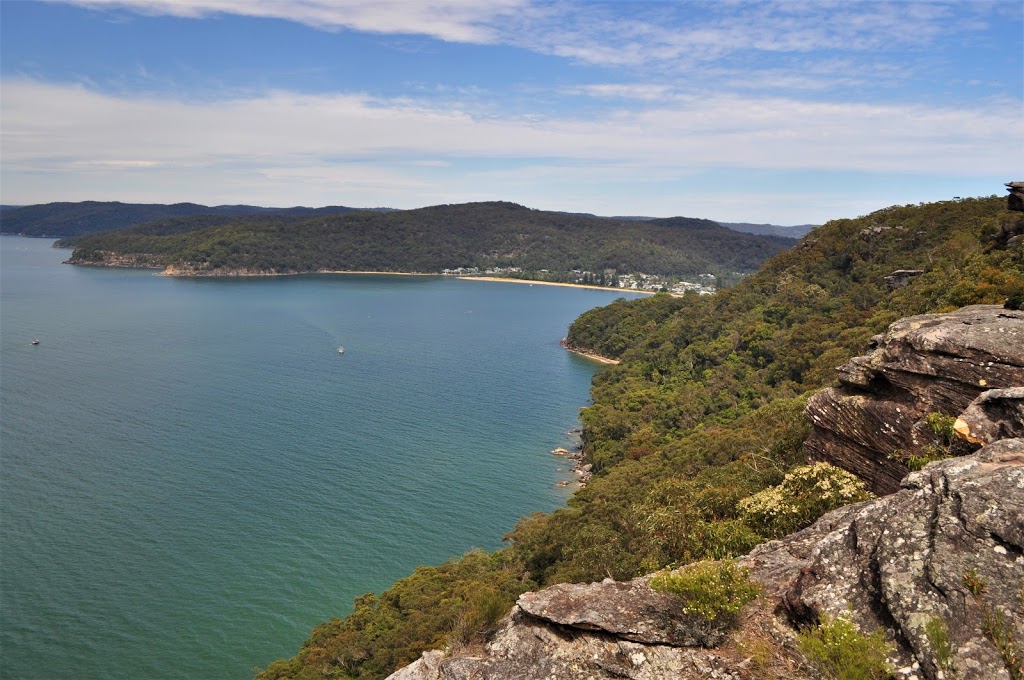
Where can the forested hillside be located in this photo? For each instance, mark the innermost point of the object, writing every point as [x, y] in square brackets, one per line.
[704, 411]
[64, 220]
[429, 240]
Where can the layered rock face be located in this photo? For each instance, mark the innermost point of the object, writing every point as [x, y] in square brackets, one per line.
[897, 563]
[933, 363]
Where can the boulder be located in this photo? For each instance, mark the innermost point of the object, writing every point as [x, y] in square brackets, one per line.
[932, 363]
[994, 415]
[525, 648]
[628, 611]
[901, 277]
[1015, 201]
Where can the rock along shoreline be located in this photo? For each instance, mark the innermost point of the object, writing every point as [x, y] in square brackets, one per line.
[593, 356]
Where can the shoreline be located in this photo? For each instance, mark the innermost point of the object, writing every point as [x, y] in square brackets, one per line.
[589, 355]
[499, 279]
[172, 272]
[361, 272]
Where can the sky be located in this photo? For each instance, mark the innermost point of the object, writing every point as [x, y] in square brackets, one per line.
[786, 112]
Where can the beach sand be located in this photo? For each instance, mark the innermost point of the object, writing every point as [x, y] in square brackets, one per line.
[594, 357]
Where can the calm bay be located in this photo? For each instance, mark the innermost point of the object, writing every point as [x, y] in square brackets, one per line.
[192, 476]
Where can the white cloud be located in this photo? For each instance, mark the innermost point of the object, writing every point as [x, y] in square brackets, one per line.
[451, 20]
[118, 164]
[671, 36]
[294, 148]
[690, 131]
[635, 91]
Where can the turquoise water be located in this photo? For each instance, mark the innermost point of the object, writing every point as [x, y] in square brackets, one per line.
[192, 477]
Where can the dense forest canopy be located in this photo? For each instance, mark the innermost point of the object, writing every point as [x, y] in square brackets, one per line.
[430, 240]
[64, 220]
[705, 410]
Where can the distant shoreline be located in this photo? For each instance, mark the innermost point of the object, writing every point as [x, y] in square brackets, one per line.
[554, 283]
[171, 271]
[332, 271]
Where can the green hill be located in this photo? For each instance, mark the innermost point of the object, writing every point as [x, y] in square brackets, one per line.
[64, 220]
[704, 411]
[429, 240]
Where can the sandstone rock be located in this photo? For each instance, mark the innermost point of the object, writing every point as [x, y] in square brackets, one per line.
[901, 277]
[899, 562]
[1015, 201]
[525, 648]
[630, 611]
[994, 415]
[922, 364]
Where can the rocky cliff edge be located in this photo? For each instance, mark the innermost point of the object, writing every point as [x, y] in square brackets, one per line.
[875, 420]
[944, 551]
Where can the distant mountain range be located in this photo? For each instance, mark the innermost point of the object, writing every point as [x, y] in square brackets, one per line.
[62, 220]
[796, 231]
[67, 219]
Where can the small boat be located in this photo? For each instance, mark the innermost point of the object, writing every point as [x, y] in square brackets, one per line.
[35, 341]
[341, 350]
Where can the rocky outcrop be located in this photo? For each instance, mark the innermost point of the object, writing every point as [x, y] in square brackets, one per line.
[901, 278]
[628, 611]
[933, 363]
[1015, 201]
[902, 563]
[905, 563]
[526, 648]
[995, 415]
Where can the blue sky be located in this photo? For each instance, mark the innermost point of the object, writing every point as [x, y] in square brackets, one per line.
[786, 112]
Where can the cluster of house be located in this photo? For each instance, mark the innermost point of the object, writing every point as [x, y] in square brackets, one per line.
[475, 271]
[705, 285]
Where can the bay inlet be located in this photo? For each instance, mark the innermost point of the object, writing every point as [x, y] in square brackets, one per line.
[192, 476]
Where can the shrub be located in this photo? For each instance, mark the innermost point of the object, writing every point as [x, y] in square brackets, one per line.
[714, 591]
[938, 638]
[806, 493]
[945, 442]
[842, 652]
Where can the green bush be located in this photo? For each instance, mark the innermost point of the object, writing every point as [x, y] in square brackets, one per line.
[945, 442]
[842, 652]
[938, 638]
[806, 493]
[715, 591]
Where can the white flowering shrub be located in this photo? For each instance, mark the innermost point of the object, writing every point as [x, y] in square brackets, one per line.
[806, 493]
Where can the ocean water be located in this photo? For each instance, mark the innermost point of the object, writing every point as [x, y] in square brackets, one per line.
[192, 477]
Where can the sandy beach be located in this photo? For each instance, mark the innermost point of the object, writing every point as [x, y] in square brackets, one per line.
[553, 283]
[594, 357]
